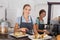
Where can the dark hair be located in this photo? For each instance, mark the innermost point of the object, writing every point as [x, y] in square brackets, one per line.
[26, 5]
[41, 11]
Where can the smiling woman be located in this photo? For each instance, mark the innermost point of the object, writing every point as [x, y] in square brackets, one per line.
[40, 22]
[26, 22]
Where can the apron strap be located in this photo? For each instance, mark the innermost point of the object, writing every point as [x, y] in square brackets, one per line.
[42, 25]
[20, 20]
[31, 20]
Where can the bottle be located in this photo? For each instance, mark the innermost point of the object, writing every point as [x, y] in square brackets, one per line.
[15, 28]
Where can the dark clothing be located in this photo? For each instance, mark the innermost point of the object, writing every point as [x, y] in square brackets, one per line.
[41, 27]
[56, 29]
[29, 26]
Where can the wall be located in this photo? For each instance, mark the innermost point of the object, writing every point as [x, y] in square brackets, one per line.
[14, 8]
[55, 11]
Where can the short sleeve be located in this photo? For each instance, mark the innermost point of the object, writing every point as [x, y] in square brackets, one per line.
[37, 21]
[18, 20]
[34, 20]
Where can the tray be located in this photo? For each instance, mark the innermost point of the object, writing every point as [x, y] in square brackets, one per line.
[18, 37]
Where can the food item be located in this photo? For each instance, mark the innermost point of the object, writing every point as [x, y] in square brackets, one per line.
[18, 34]
[36, 36]
[17, 31]
[43, 35]
[16, 28]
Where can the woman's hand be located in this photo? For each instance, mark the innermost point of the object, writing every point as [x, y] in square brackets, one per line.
[46, 31]
[23, 29]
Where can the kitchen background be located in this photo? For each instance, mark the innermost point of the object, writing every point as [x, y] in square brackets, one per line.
[13, 8]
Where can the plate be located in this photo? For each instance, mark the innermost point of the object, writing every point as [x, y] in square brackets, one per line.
[22, 36]
[45, 38]
[32, 37]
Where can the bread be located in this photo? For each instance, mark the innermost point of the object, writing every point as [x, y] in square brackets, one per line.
[18, 34]
[36, 36]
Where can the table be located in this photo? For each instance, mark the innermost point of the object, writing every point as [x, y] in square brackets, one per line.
[8, 37]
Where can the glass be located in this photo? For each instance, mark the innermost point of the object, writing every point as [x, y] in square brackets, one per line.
[4, 28]
[10, 30]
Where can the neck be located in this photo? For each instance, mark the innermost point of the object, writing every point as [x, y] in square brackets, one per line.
[40, 18]
[26, 16]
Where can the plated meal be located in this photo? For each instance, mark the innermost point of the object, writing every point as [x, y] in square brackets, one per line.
[39, 37]
[18, 34]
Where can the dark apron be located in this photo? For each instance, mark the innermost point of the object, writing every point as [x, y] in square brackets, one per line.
[41, 27]
[29, 26]
[56, 29]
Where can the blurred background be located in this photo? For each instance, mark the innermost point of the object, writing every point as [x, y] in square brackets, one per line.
[11, 9]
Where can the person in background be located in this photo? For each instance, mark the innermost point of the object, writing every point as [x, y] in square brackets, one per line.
[56, 26]
[26, 22]
[40, 22]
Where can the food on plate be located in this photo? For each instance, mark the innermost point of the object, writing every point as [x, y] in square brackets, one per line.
[44, 35]
[19, 33]
[38, 36]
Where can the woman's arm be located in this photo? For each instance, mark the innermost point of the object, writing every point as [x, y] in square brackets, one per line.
[16, 28]
[42, 30]
[37, 23]
[35, 29]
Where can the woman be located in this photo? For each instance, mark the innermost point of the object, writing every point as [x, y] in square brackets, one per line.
[40, 22]
[26, 22]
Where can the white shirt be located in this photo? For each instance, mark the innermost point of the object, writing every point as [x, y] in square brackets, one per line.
[23, 20]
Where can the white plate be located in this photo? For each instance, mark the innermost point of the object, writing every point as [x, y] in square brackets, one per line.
[18, 36]
[47, 37]
[32, 37]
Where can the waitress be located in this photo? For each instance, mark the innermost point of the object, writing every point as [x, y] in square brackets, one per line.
[26, 22]
[40, 22]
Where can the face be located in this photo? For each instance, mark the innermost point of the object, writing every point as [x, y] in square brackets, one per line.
[27, 10]
[43, 14]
